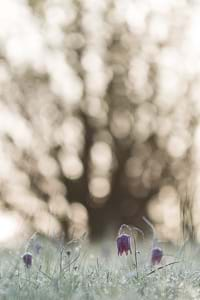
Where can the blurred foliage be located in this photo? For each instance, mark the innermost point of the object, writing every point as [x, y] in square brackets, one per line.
[99, 113]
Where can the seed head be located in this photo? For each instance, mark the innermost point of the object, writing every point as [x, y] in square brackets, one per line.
[27, 259]
[124, 244]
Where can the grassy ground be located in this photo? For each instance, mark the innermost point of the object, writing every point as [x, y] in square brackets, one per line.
[79, 271]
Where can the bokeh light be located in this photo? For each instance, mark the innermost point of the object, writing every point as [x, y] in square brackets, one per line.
[100, 115]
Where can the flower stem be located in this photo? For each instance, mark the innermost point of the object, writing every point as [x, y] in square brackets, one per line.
[135, 253]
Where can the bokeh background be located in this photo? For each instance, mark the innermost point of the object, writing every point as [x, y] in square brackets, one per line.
[99, 117]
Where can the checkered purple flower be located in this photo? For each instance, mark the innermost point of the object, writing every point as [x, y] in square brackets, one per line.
[124, 244]
[156, 255]
[27, 259]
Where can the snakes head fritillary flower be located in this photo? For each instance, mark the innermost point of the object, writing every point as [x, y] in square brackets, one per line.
[156, 255]
[27, 259]
[37, 248]
[124, 244]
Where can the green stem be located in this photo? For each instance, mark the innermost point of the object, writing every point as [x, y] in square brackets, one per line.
[135, 252]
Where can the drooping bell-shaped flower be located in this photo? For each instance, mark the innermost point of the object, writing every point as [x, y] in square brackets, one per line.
[27, 259]
[124, 244]
[156, 255]
[37, 248]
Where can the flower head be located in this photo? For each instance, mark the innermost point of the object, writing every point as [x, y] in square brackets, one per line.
[37, 248]
[124, 244]
[27, 259]
[156, 255]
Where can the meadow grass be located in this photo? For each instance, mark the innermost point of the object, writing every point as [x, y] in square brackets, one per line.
[79, 270]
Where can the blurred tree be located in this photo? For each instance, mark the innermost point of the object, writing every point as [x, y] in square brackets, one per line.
[99, 113]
